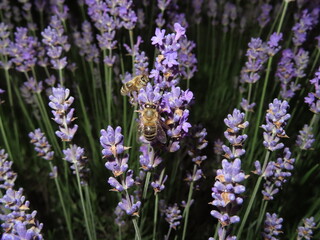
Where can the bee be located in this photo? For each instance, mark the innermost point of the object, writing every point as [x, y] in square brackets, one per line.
[150, 126]
[134, 85]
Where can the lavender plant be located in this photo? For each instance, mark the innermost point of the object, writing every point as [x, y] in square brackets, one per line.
[162, 76]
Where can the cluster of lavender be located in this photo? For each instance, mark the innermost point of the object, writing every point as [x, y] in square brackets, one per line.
[305, 138]
[85, 43]
[173, 215]
[147, 159]
[140, 59]
[60, 102]
[170, 101]
[42, 147]
[258, 53]
[172, 106]
[163, 5]
[111, 141]
[285, 73]
[306, 231]
[276, 120]
[7, 176]
[229, 16]
[4, 46]
[23, 50]
[264, 17]
[227, 189]
[166, 69]
[17, 222]
[272, 227]
[313, 98]
[56, 42]
[306, 22]
[107, 17]
[275, 174]
[197, 144]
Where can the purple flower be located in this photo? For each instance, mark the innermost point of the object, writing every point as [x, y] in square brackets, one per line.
[75, 156]
[60, 102]
[226, 191]
[173, 216]
[159, 37]
[56, 42]
[313, 98]
[305, 24]
[306, 231]
[194, 177]
[23, 50]
[301, 62]
[129, 206]
[217, 148]
[129, 182]
[166, 70]
[17, 222]
[148, 160]
[273, 44]
[158, 185]
[246, 106]
[275, 174]
[305, 138]
[235, 124]
[151, 94]
[276, 120]
[187, 59]
[41, 144]
[264, 17]
[285, 72]
[112, 142]
[257, 56]
[7, 176]
[272, 227]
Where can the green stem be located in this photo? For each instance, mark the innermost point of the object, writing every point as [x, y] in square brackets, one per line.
[4, 137]
[261, 215]
[91, 215]
[187, 208]
[315, 60]
[87, 126]
[146, 185]
[253, 196]
[155, 216]
[66, 215]
[83, 203]
[132, 127]
[260, 111]
[134, 221]
[168, 234]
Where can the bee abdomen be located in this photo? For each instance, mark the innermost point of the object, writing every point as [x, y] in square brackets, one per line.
[123, 91]
[150, 132]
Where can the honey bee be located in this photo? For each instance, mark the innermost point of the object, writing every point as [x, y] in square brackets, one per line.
[150, 126]
[134, 85]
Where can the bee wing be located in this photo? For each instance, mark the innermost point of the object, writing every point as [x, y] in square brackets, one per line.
[161, 135]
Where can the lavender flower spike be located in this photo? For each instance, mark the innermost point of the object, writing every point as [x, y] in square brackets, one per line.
[75, 156]
[7, 176]
[41, 144]
[306, 231]
[313, 99]
[305, 138]
[276, 119]
[226, 191]
[272, 228]
[173, 215]
[60, 102]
